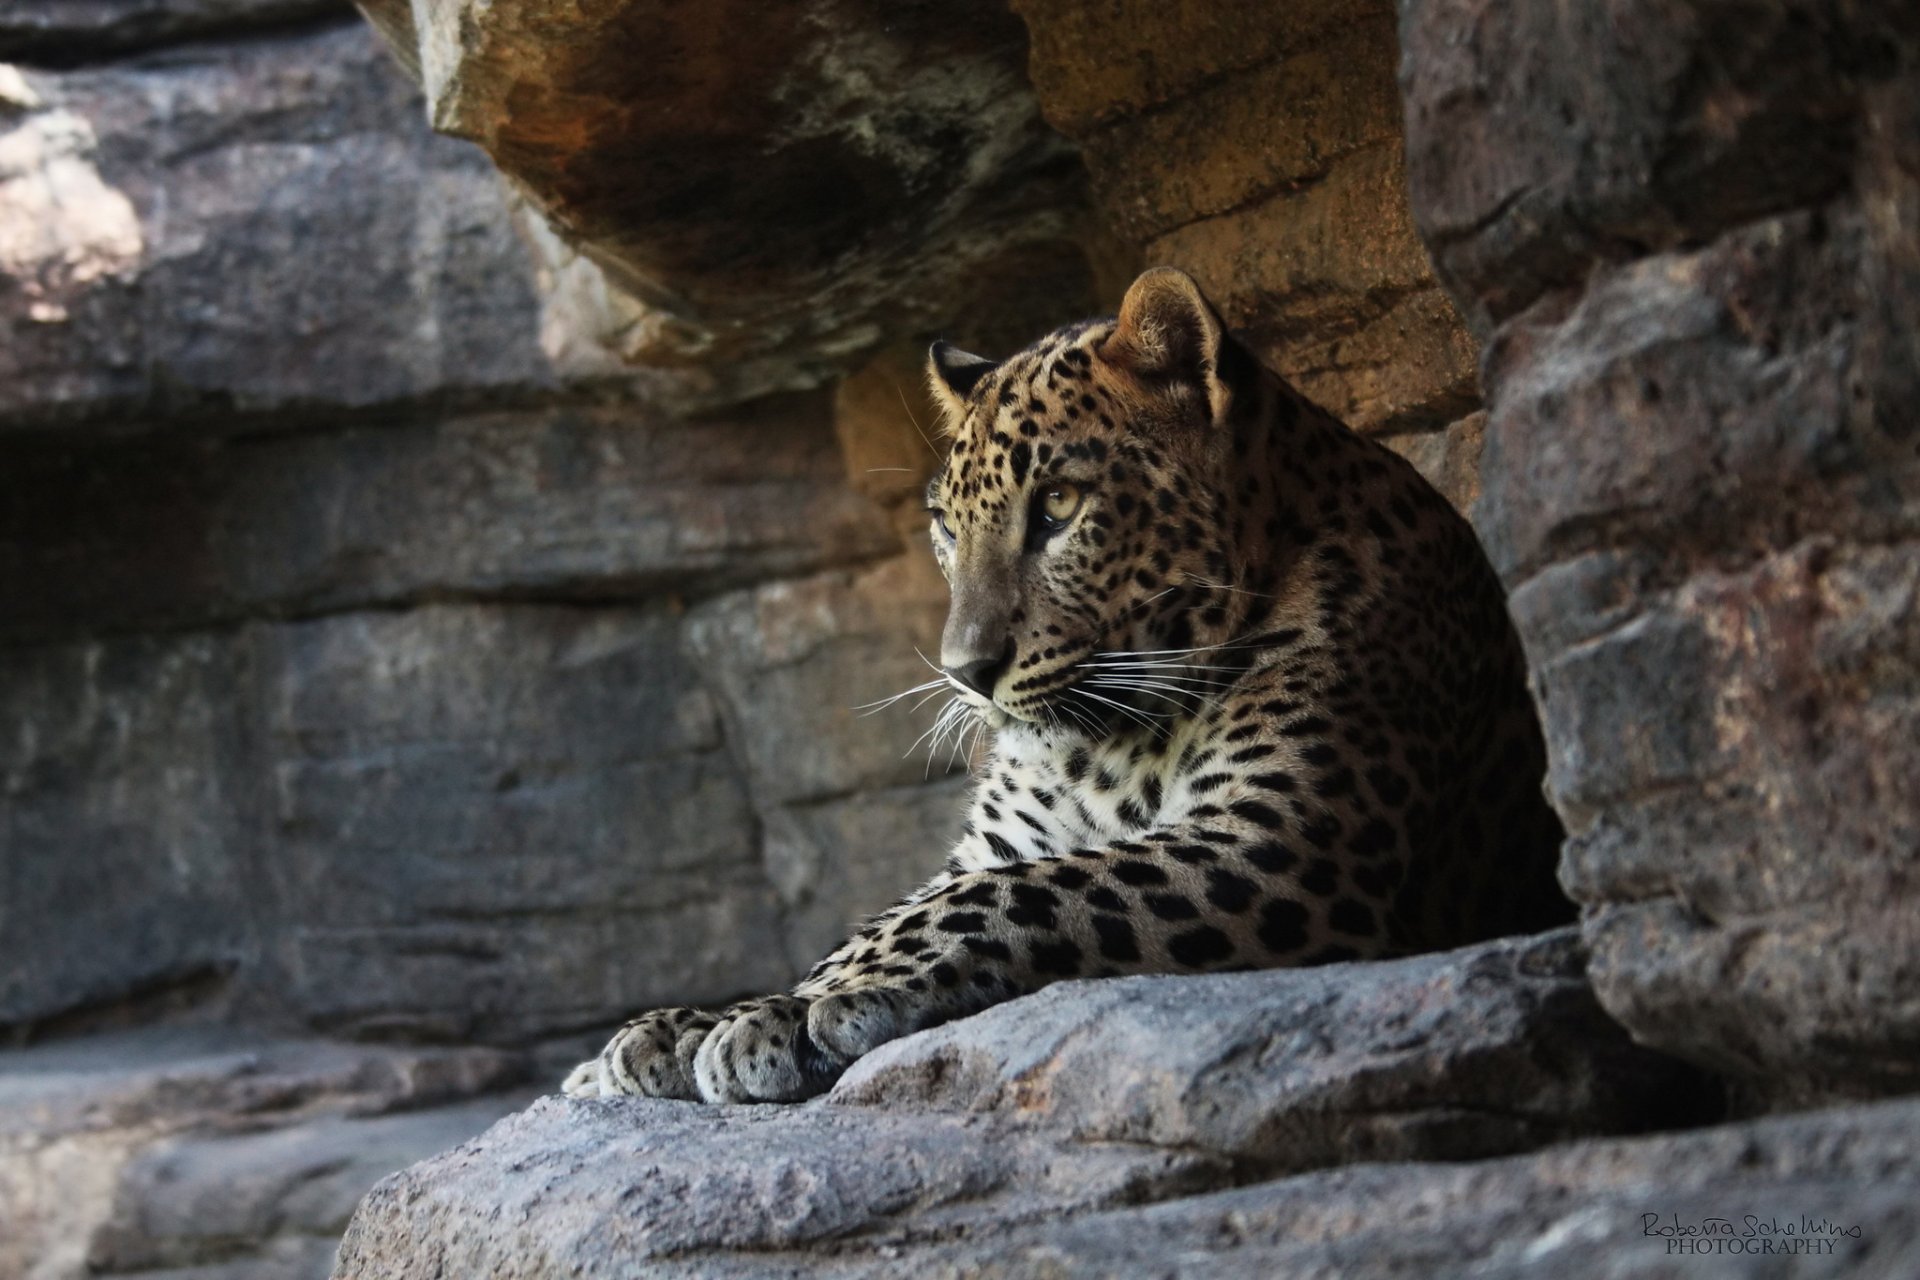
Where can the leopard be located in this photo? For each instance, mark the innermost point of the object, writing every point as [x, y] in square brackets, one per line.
[1254, 696]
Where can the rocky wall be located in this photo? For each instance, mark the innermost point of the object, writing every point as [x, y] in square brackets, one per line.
[461, 694]
[370, 665]
[799, 183]
[437, 611]
[1258, 148]
[1690, 236]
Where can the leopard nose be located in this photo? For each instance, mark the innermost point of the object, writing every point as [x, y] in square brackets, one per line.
[981, 675]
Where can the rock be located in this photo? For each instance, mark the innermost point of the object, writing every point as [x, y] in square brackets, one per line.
[116, 767]
[1701, 494]
[1473, 1053]
[1449, 459]
[500, 823]
[901, 147]
[447, 820]
[797, 663]
[837, 860]
[198, 1147]
[839, 783]
[249, 227]
[1259, 149]
[596, 502]
[485, 820]
[601, 1188]
[1176, 1126]
[60, 32]
[1541, 140]
[371, 661]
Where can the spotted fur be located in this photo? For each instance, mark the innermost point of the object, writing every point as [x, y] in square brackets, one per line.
[1255, 701]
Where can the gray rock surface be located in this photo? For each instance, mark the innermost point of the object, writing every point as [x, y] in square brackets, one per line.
[848, 817]
[250, 226]
[458, 863]
[1471, 1053]
[118, 824]
[348, 680]
[215, 1151]
[588, 502]
[64, 32]
[499, 823]
[967, 1146]
[492, 820]
[1700, 485]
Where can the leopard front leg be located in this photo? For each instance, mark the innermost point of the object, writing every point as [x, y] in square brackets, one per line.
[771, 1049]
[1224, 896]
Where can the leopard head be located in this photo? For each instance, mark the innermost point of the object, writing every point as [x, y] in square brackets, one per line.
[1083, 508]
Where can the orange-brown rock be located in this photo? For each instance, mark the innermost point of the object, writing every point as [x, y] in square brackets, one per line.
[782, 187]
[1259, 149]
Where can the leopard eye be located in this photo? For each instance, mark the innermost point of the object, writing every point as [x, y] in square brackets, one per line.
[940, 521]
[1060, 502]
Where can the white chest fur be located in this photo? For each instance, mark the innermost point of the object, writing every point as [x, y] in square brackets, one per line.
[1042, 795]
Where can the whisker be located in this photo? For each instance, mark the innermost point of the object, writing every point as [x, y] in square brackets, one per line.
[938, 721]
[1110, 671]
[868, 708]
[957, 752]
[916, 424]
[1144, 682]
[1166, 693]
[1197, 580]
[955, 728]
[929, 698]
[1140, 717]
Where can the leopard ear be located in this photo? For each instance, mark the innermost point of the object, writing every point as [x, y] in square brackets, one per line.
[1169, 338]
[953, 374]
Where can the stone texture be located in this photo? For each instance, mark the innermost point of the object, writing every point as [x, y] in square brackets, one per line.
[1259, 149]
[593, 502]
[115, 765]
[447, 820]
[901, 147]
[214, 1151]
[1449, 459]
[371, 661]
[61, 32]
[887, 426]
[1103, 1128]
[483, 818]
[1542, 139]
[837, 782]
[1474, 1053]
[1700, 485]
[837, 860]
[193, 189]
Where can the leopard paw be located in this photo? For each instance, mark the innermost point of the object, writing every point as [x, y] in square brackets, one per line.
[761, 1051]
[849, 1024]
[584, 1081]
[651, 1056]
